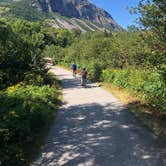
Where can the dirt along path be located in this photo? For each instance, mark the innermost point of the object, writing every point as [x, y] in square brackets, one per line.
[94, 129]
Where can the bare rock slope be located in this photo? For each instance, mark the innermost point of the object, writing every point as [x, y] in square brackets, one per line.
[80, 9]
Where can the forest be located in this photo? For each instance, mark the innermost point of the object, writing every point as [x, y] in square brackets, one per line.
[133, 59]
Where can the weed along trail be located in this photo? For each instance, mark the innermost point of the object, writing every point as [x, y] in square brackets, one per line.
[94, 129]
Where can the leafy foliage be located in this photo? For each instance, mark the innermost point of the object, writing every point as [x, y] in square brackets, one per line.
[22, 10]
[25, 108]
[21, 45]
[25, 111]
[148, 84]
[153, 16]
[153, 19]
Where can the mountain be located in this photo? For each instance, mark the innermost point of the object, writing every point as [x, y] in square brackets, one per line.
[81, 9]
[65, 13]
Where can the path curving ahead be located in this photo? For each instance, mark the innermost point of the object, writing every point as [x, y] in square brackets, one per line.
[94, 129]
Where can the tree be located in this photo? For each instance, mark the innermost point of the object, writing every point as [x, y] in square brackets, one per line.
[21, 45]
[153, 16]
[153, 19]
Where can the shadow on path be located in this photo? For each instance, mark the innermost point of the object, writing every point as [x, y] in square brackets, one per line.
[70, 83]
[100, 136]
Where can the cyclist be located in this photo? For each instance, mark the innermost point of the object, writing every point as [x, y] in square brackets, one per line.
[74, 68]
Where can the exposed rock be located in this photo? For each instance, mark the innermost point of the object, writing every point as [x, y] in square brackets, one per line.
[80, 9]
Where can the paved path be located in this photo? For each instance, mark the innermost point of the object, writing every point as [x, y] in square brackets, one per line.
[93, 129]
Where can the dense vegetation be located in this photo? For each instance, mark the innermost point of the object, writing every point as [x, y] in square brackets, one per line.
[28, 101]
[21, 9]
[25, 113]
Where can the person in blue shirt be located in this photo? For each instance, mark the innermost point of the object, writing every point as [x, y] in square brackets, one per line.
[74, 68]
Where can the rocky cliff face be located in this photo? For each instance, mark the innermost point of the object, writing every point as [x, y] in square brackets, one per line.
[81, 9]
[77, 13]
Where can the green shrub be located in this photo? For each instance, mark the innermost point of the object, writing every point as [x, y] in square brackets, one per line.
[25, 112]
[149, 84]
[121, 78]
[94, 71]
[162, 71]
[33, 79]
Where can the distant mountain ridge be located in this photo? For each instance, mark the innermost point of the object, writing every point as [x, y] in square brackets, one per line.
[76, 13]
[81, 9]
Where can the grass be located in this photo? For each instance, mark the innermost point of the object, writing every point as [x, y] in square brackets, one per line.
[139, 107]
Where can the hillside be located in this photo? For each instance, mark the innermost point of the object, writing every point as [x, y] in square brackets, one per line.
[64, 14]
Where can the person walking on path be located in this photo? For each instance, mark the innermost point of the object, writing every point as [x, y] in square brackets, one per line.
[74, 68]
[83, 77]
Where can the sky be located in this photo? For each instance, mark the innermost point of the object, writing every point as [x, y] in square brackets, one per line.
[118, 10]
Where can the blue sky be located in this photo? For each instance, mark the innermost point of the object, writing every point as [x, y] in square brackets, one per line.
[118, 10]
